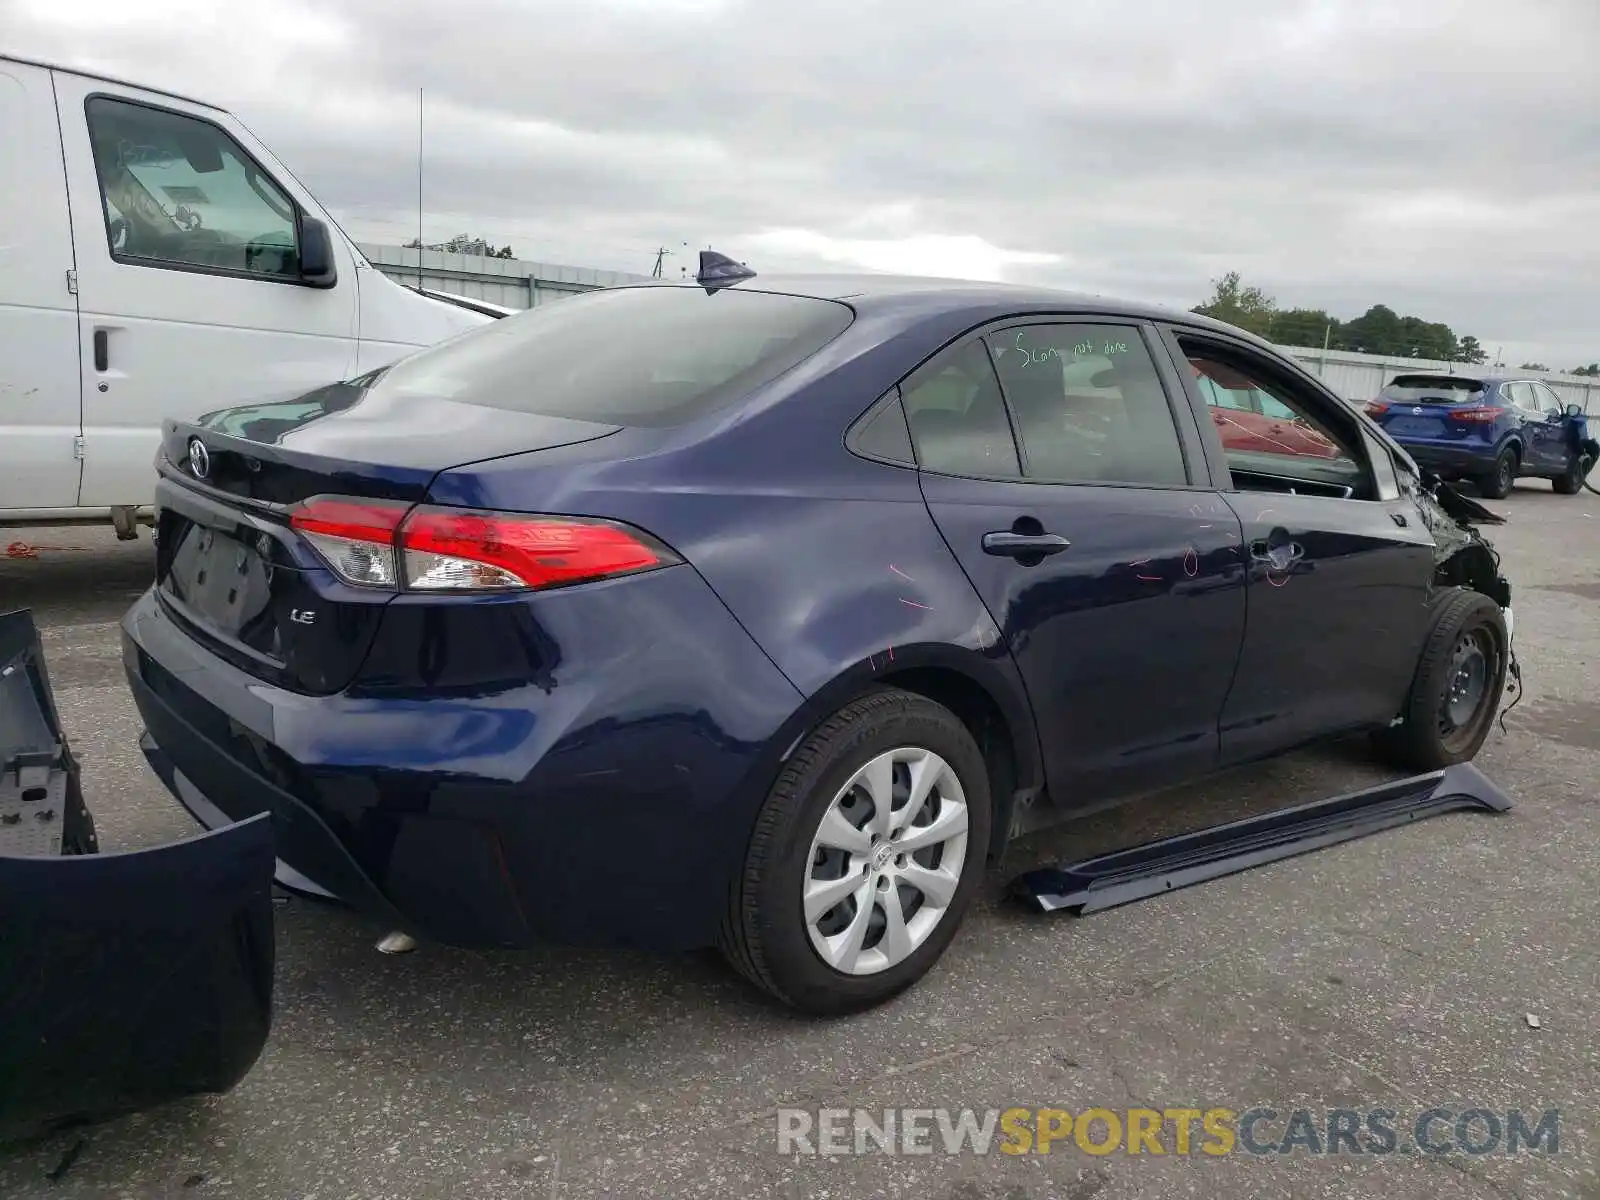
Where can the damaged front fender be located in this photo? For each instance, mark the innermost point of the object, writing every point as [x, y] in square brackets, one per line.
[126, 980]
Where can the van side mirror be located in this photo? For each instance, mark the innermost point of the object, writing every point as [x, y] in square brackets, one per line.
[317, 268]
[1574, 411]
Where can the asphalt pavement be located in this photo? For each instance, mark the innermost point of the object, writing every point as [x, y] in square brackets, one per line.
[1449, 965]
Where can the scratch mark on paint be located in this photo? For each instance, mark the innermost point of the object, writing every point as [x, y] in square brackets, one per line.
[901, 573]
[1262, 515]
[1140, 563]
[1277, 582]
[891, 653]
[914, 604]
[1150, 578]
[1191, 563]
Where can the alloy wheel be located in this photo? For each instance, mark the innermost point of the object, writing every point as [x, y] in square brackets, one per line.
[886, 861]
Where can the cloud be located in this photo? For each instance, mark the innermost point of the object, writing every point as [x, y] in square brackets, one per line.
[1439, 156]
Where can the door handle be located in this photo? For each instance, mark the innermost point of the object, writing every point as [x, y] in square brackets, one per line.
[102, 349]
[1277, 558]
[1023, 545]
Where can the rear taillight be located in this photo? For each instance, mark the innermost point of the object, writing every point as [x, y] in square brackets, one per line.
[435, 549]
[453, 550]
[356, 537]
[1475, 416]
[1376, 408]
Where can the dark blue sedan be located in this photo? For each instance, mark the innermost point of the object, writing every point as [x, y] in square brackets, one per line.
[763, 615]
[1492, 430]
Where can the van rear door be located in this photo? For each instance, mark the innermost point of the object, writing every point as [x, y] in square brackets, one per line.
[190, 239]
[40, 413]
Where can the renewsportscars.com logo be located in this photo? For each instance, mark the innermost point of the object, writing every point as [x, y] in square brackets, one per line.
[1214, 1131]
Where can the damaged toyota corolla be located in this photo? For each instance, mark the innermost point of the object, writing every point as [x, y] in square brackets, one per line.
[762, 614]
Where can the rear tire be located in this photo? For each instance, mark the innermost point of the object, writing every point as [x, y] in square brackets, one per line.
[1456, 691]
[820, 826]
[1570, 481]
[1498, 483]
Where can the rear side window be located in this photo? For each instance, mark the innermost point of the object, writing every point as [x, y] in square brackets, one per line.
[1089, 405]
[957, 418]
[1434, 389]
[658, 355]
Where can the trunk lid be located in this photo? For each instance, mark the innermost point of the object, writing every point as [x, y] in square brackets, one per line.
[233, 571]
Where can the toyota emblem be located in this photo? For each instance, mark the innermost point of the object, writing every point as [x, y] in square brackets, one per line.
[199, 458]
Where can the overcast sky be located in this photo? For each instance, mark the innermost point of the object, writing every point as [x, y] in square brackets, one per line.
[1440, 156]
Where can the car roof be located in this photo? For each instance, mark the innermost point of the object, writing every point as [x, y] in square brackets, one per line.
[68, 69]
[914, 294]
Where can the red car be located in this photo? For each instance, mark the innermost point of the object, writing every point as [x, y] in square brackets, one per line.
[1252, 420]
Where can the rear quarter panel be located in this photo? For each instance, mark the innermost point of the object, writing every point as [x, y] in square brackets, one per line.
[831, 562]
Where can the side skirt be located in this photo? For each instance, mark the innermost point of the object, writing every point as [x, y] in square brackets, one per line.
[1155, 868]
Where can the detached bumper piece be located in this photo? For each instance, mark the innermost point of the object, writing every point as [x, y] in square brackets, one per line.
[1156, 868]
[126, 980]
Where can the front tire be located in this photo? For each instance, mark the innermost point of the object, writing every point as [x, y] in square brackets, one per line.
[1498, 483]
[1457, 687]
[1570, 481]
[866, 856]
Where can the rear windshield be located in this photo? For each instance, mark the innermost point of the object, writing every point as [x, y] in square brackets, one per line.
[1441, 389]
[654, 355]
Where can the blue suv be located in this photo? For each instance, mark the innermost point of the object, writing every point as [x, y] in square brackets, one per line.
[1491, 430]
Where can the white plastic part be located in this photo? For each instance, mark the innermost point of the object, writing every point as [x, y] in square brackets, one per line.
[396, 942]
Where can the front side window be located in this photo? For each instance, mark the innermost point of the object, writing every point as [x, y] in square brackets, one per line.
[1089, 405]
[1273, 437]
[178, 191]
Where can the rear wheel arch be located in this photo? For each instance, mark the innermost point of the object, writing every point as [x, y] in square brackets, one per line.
[997, 716]
[1005, 748]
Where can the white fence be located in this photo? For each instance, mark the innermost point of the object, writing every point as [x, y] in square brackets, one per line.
[1362, 376]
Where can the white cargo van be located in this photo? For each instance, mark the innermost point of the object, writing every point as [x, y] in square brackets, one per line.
[156, 260]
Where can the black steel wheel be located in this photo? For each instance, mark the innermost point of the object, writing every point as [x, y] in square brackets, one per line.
[1498, 483]
[1456, 690]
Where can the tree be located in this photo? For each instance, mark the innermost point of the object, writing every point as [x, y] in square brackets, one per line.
[1592, 370]
[1249, 308]
[1305, 327]
[1379, 330]
[1533, 367]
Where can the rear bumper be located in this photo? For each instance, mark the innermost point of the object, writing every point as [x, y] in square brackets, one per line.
[609, 803]
[1465, 460]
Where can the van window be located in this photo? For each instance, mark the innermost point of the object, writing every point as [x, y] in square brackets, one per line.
[179, 192]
